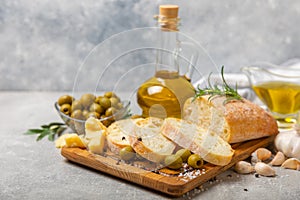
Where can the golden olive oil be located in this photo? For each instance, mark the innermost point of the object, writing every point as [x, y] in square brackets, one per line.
[164, 94]
[280, 97]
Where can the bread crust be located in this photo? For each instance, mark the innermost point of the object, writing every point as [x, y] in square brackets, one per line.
[242, 119]
[247, 121]
[140, 148]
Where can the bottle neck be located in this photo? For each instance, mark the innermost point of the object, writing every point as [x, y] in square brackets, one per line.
[169, 47]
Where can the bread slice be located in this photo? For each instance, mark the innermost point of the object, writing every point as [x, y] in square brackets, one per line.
[148, 142]
[235, 121]
[208, 145]
[117, 134]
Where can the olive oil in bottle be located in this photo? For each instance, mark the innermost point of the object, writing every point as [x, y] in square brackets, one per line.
[280, 97]
[164, 94]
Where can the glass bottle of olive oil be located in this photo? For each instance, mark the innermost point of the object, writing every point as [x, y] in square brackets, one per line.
[164, 94]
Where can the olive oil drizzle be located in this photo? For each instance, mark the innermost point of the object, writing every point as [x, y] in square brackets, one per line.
[213, 90]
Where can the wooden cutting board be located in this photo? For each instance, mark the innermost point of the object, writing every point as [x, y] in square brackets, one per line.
[172, 185]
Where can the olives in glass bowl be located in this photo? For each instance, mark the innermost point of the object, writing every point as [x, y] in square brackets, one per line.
[107, 108]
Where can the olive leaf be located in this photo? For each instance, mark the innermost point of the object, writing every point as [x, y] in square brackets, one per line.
[214, 90]
[33, 131]
[51, 130]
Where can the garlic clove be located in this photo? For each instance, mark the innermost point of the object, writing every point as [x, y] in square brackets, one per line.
[261, 154]
[243, 167]
[278, 159]
[254, 158]
[291, 163]
[264, 169]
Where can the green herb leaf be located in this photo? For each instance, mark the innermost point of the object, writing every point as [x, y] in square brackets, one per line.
[226, 90]
[56, 124]
[42, 135]
[54, 127]
[51, 136]
[45, 126]
[52, 130]
[60, 130]
[33, 131]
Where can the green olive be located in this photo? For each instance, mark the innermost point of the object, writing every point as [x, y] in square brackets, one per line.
[76, 105]
[184, 154]
[65, 99]
[66, 109]
[96, 108]
[85, 114]
[110, 111]
[93, 114]
[195, 161]
[105, 122]
[173, 161]
[109, 94]
[127, 153]
[87, 99]
[77, 114]
[97, 100]
[114, 102]
[105, 102]
[119, 105]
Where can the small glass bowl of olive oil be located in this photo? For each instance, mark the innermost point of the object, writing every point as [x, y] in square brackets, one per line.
[278, 87]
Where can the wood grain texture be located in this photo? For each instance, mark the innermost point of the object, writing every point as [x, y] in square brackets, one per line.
[172, 185]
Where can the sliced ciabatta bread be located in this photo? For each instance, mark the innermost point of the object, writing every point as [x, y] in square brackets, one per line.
[148, 142]
[117, 134]
[235, 121]
[208, 145]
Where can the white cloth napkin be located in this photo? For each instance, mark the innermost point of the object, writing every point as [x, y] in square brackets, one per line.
[239, 79]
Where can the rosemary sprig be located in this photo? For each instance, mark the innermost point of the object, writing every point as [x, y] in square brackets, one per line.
[51, 130]
[226, 90]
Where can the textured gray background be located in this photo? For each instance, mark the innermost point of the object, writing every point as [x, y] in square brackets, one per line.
[44, 43]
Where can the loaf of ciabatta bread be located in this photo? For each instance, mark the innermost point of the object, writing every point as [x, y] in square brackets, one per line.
[148, 141]
[208, 145]
[235, 121]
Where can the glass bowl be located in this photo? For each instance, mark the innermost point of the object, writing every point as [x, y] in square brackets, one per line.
[78, 126]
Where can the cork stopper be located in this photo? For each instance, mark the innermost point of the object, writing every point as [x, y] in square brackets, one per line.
[168, 17]
[169, 11]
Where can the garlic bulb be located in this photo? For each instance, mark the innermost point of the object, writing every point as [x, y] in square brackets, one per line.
[288, 142]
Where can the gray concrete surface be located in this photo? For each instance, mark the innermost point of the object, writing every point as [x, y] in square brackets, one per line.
[43, 43]
[36, 170]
